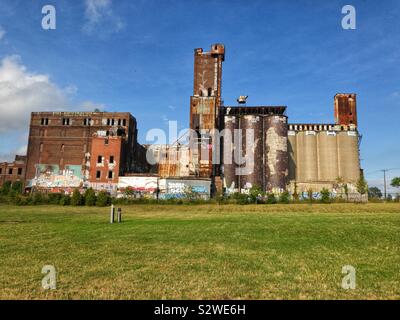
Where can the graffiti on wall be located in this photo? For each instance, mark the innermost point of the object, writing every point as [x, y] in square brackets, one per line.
[143, 184]
[50, 176]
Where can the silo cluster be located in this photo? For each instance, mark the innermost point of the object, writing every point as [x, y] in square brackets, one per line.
[323, 155]
[258, 152]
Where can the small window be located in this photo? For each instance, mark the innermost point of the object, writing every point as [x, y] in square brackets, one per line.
[65, 121]
[106, 142]
[1, 170]
[110, 174]
[98, 174]
[124, 122]
[119, 122]
[10, 171]
[19, 171]
[112, 122]
[209, 91]
[62, 148]
[99, 159]
[42, 122]
[108, 122]
[112, 159]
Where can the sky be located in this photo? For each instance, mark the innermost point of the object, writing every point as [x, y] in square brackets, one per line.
[137, 56]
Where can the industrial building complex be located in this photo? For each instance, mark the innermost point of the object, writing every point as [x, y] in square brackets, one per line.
[229, 149]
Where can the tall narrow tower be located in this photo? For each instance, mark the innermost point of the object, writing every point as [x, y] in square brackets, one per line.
[204, 107]
[346, 109]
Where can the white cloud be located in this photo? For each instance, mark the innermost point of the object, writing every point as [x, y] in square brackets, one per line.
[22, 92]
[2, 32]
[99, 12]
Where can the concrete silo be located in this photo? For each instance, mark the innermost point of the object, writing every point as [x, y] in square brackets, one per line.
[349, 164]
[307, 161]
[231, 123]
[251, 172]
[276, 166]
[292, 150]
[328, 169]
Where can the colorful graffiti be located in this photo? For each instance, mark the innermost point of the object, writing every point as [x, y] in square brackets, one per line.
[50, 176]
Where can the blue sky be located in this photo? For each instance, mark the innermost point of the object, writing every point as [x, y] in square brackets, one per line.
[137, 56]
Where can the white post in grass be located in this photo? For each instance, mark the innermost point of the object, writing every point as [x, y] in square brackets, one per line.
[112, 214]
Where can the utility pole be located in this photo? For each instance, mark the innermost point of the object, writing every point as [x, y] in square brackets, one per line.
[384, 181]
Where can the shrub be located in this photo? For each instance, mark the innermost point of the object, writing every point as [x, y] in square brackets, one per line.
[255, 194]
[54, 198]
[37, 198]
[76, 199]
[241, 198]
[65, 200]
[284, 197]
[325, 196]
[21, 200]
[5, 189]
[90, 197]
[103, 199]
[310, 194]
[271, 199]
[17, 187]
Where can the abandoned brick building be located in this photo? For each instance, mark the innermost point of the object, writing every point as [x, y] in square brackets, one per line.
[66, 149]
[13, 171]
[94, 149]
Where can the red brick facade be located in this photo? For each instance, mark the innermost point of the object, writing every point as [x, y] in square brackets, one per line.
[106, 154]
[13, 171]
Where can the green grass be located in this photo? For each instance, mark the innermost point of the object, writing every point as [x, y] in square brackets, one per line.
[201, 252]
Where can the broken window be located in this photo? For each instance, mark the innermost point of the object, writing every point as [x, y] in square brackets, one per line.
[10, 171]
[98, 174]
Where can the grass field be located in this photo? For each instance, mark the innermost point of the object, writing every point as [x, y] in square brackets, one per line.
[201, 252]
